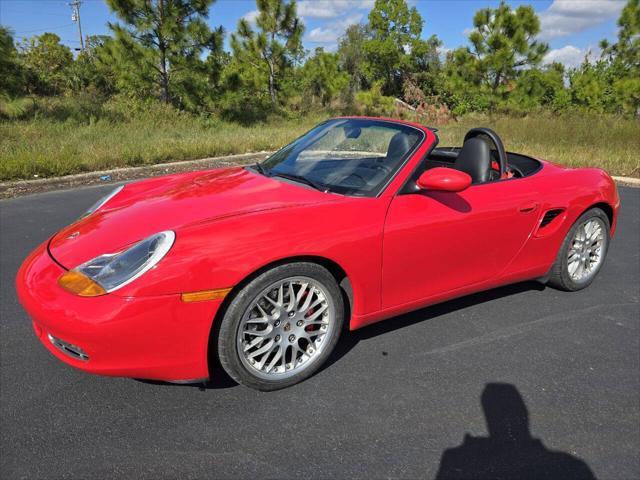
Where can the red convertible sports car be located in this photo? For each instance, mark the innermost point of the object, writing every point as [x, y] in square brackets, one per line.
[358, 220]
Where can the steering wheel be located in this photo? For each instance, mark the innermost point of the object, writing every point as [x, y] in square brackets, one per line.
[362, 180]
[382, 167]
[493, 136]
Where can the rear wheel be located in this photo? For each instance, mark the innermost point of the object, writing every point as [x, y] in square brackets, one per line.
[281, 327]
[582, 253]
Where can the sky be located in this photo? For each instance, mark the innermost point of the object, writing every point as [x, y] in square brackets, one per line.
[571, 27]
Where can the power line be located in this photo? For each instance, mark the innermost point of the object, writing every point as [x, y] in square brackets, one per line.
[67, 25]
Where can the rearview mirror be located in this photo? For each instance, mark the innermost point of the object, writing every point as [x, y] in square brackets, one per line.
[444, 180]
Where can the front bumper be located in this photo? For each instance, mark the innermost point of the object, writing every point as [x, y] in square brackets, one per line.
[154, 337]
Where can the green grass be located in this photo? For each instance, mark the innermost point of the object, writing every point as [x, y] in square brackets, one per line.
[53, 141]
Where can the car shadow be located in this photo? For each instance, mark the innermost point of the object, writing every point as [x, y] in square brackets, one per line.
[350, 339]
[509, 451]
[450, 199]
[219, 381]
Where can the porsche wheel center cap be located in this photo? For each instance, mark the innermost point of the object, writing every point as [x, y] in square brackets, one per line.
[287, 327]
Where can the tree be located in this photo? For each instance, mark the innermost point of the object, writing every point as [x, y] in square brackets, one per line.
[395, 31]
[161, 46]
[274, 45]
[353, 57]
[322, 77]
[462, 88]
[504, 42]
[627, 48]
[426, 65]
[623, 60]
[45, 60]
[591, 86]
[87, 71]
[541, 88]
[11, 77]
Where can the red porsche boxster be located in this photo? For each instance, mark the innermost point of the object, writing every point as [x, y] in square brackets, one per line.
[358, 220]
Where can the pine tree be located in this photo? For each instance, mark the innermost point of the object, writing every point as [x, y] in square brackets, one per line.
[159, 47]
[504, 41]
[11, 77]
[275, 44]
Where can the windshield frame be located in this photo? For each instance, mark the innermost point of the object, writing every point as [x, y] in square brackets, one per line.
[379, 190]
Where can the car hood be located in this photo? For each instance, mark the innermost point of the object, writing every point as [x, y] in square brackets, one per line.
[174, 202]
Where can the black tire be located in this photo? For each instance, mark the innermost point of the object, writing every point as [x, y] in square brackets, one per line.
[227, 336]
[559, 276]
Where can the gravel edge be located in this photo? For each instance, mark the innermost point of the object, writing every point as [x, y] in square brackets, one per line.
[20, 188]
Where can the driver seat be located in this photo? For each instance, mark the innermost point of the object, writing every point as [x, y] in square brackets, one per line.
[398, 146]
[474, 159]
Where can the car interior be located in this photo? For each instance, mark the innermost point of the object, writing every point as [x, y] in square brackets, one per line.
[483, 157]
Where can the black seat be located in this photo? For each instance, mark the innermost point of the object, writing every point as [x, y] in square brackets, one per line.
[475, 160]
[398, 146]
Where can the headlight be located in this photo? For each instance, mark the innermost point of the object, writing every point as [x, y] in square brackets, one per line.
[112, 271]
[102, 201]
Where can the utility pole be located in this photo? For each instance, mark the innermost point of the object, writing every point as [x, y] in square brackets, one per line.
[75, 17]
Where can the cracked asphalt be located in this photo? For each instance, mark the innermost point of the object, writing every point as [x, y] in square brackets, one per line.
[518, 379]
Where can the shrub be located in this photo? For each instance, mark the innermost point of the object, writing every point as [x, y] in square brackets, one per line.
[372, 102]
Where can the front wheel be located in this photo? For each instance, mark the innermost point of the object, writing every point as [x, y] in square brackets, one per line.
[582, 253]
[281, 327]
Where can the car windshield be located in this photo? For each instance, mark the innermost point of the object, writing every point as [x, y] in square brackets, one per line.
[347, 156]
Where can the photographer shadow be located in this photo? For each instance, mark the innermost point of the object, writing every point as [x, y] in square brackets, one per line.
[509, 452]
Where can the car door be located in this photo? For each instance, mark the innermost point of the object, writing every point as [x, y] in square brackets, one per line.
[437, 242]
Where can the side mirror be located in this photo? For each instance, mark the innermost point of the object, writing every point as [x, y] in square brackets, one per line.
[444, 180]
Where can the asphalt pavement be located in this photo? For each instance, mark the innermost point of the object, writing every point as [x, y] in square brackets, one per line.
[521, 376]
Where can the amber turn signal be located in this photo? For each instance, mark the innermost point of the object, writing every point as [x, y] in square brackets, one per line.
[205, 295]
[79, 284]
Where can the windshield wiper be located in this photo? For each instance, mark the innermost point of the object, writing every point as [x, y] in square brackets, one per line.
[260, 169]
[300, 178]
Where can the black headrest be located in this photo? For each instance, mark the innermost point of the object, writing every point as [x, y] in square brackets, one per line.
[398, 147]
[475, 159]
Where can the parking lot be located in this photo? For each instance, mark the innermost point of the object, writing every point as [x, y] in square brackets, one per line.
[550, 380]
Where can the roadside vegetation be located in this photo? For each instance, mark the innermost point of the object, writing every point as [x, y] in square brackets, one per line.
[162, 88]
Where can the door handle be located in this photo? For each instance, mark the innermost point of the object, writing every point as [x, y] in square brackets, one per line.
[528, 207]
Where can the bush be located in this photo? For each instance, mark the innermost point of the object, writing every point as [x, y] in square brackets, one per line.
[374, 103]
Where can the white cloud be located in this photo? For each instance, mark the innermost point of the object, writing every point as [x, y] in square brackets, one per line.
[566, 17]
[251, 16]
[330, 8]
[442, 51]
[330, 32]
[570, 55]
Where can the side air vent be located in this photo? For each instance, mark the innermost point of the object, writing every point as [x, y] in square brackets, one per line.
[549, 217]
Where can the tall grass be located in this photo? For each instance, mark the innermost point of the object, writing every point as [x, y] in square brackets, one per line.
[43, 146]
[52, 138]
[573, 139]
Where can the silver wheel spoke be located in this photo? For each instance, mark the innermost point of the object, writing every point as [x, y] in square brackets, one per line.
[253, 343]
[259, 333]
[301, 292]
[316, 314]
[258, 320]
[274, 360]
[264, 349]
[292, 298]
